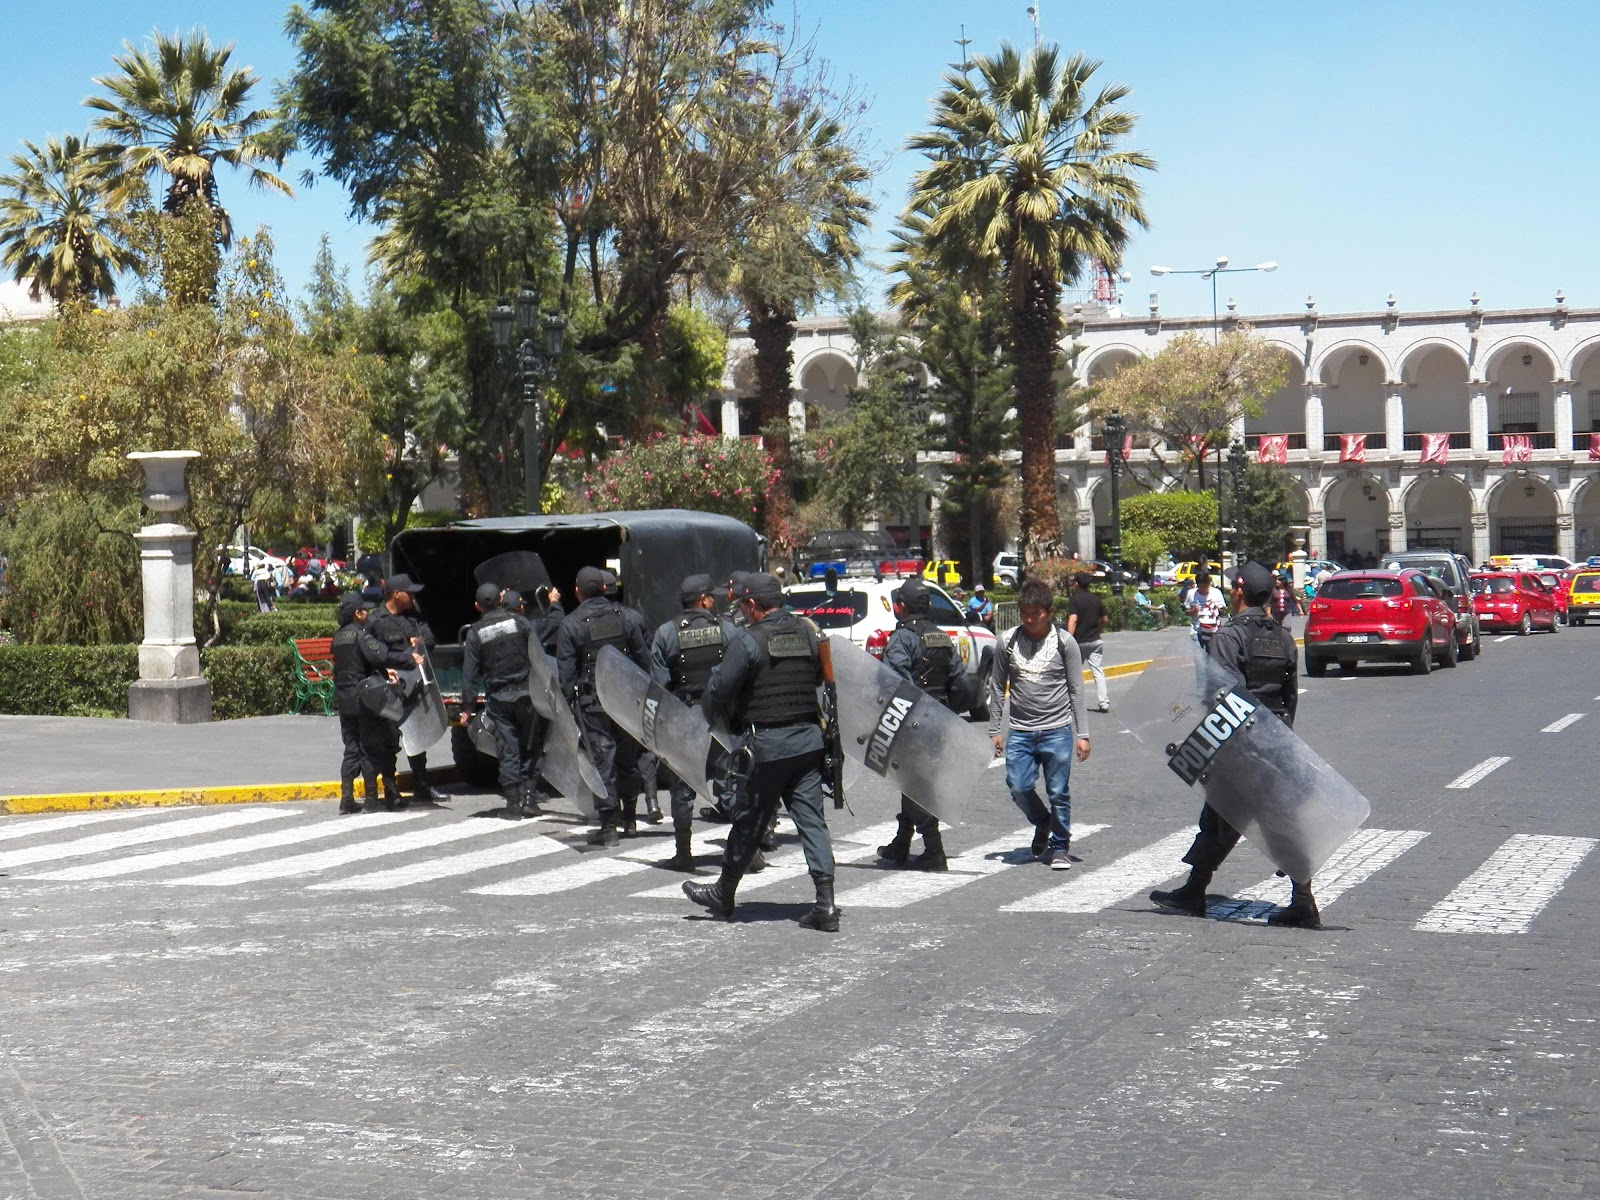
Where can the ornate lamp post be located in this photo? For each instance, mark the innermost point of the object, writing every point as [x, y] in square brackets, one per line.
[1115, 429]
[1237, 461]
[535, 366]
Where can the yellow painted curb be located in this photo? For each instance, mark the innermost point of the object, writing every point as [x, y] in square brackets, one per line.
[246, 793]
[1133, 668]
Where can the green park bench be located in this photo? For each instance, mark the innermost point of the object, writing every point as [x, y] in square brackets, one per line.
[313, 673]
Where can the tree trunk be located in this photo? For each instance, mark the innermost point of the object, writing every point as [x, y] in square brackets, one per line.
[772, 331]
[652, 410]
[1034, 329]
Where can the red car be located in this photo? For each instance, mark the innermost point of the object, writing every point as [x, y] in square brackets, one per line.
[1514, 600]
[1390, 615]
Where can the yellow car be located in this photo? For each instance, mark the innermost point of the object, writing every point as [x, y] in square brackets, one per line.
[1583, 600]
[1185, 572]
[943, 572]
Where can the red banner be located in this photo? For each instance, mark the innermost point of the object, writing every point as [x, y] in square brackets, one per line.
[1195, 444]
[1353, 447]
[1127, 448]
[1515, 448]
[1594, 447]
[1273, 448]
[1435, 448]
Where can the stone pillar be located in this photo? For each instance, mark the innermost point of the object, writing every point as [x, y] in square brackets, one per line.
[1480, 535]
[1566, 536]
[1394, 419]
[1478, 418]
[1397, 528]
[1564, 422]
[1085, 531]
[730, 418]
[1314, 421]
[1297, 565]
[797, 414]
[170, 688]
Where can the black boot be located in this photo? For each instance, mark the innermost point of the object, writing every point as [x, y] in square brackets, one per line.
[513, 798]
[683, 860]
[391, 796]
[530, 799]
[421, 790]
[607, 834]
[715, 813]
[1190, 898]
[630, 815]
[1041, 839]
[1302, 911]
[932, 857]
[347, 796]
[824, 915]
[898, 849]
[758, 862]
[652, 809]
[718, 896]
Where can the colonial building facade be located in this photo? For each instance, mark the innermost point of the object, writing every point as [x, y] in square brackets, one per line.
[1468, 428]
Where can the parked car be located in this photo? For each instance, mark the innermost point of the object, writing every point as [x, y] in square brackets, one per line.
[942, 571]
[863, 611]
[1455, 573]
[1185, 572]
[1007, 569]
[257, 556]
[1583, 596]
[1557, 587]
[1514, 600]
[1385, 615]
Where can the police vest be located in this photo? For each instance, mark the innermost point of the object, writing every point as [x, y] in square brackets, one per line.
[700, 648]
[1270, 662]
[349, 664]
[608, 627]
[503, 648]
[783, 688]
[933, 665]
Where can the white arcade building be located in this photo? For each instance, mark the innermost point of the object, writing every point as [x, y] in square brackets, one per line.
[1468, 428]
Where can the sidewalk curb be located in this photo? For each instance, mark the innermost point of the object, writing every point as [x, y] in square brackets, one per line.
[245, 793]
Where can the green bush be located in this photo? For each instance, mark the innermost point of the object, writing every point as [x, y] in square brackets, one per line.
[67, 681]
[249, 681]
[72, 573]
[275, 628]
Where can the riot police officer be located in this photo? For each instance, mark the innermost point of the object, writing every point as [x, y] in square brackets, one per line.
[357, 655]
[496, 647]
[919, 651]
[1262, 654]
[683, 654]
[594, 624]
[400, 626]
[645, 769]
[766, 688]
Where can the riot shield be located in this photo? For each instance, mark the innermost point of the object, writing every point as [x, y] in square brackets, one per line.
[1256, 771]
[565, 764]
[481, 736]
[424, 722]
[898, 731]
[381, 698]
[655, 718]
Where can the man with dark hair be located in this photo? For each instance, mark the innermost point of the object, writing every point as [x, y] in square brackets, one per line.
[1038, 675]
[400, 626]
[1086, 623]
[766, 688]
[598, 622]
[1206, 608]
[683, 653]
[1262, 654]
[919, 651]
[357, 655]
[496, 646]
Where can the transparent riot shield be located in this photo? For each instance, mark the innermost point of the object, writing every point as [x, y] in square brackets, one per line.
[481, 736]
[424, 722]
[655, 718]
[1255, 771]
[564, 765]
[898, 731]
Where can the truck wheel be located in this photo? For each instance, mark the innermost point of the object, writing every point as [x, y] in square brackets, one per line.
[476, 767]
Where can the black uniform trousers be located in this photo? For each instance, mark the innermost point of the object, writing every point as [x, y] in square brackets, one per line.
[1213, 843]
[612, 752]
[923, 821]
[511, 722]
[796, 783]
[354, 765]
[380, 742]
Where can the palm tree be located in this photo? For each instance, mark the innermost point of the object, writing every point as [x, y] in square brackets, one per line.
[1025, 177]
[59, 231]
[181, 110]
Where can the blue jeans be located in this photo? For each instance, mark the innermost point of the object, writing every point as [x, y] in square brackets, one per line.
[1051, 749]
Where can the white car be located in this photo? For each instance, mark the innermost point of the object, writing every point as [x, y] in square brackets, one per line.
[258, 558]
[1007, 569]
[863, 611]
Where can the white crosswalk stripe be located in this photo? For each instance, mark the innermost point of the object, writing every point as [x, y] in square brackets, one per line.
[529, 845]
[1511, 888]
[121, 839]
[1364, 854]
[902, 888]
[791, 864]
[114, 868]
[594, 868]
[1478, 773]
[1558, 726]
[324, 860]
[21, 827]
[1101, 888]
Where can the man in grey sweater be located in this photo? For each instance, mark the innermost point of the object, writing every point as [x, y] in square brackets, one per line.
[1038, 673]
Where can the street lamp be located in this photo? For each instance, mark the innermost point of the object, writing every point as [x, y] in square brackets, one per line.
[1237, 461]
[1115, 429]
[535, 366]
[1211, 273]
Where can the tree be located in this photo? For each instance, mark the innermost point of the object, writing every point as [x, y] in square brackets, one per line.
[1185, 399]
[60, 232]
[181, 109]
[1182, 523]
[1025, 179]
[1264, 513]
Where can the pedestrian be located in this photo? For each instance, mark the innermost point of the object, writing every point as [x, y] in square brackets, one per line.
[496, 647]
[357, 655]
[922, 653]
[1261, 654]
[264, 589]
[1206, 608]
[1284, 602]
[598, 622]
[683, 653]
[1086, 622]
[766, 689]
[979, 606]
[399, 625]
[1037, 681]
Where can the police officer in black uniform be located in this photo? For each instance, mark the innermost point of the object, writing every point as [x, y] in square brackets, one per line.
[919, 651]
[496, 647]
[1262, 654]
[399, 626]
[594, 624]
[766, 688]
[683, 654]
[357, 655]
[643, 775]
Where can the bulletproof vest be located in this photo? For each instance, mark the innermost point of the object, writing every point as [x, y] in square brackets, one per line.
[700, 648]
[503, 648]
[783, 688]
[1270, 661]
[934, 664]
[606, 627]
[349, 667]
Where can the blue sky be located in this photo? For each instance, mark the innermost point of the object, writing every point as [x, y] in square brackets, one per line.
[1423, 147]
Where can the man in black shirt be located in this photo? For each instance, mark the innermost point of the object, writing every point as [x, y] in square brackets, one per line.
[495, 649]
[1086, 623]
[398, 625]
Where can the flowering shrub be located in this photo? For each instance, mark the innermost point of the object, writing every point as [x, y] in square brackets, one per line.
[709, 474]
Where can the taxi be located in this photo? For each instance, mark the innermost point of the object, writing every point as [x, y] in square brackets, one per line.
[942, 571]
[1185, 572]
[863, 611]
[1583, 596]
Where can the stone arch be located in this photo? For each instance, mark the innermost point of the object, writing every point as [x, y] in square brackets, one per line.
[1285, 410]
[1355, 510]
[1411, 358]
[1525, 512]
[1101, 357]
[1579, 358]
[1493, 356]
[823, 379]
[1438, 511]
[1584, 503]
[1329, 361]
[1521, 390]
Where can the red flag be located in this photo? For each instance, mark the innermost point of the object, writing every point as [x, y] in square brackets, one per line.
[1353, 447]
[1273, 448]
[1127, 448]
[1516, 448]
[1435, 448]
[1594, 447]
[703, 423]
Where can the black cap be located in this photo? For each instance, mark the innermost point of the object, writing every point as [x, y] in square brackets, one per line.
[736, 583]
[764, 589]
[692, 588]
[611, 581]
[914, 594]
[1256, 580]
[349, 604]
[591, 581]
[401, 583]
[511, 599]
[488, 595]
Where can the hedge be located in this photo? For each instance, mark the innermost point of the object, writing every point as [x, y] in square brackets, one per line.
[250, 681]
[92, 681]
[276, 628]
